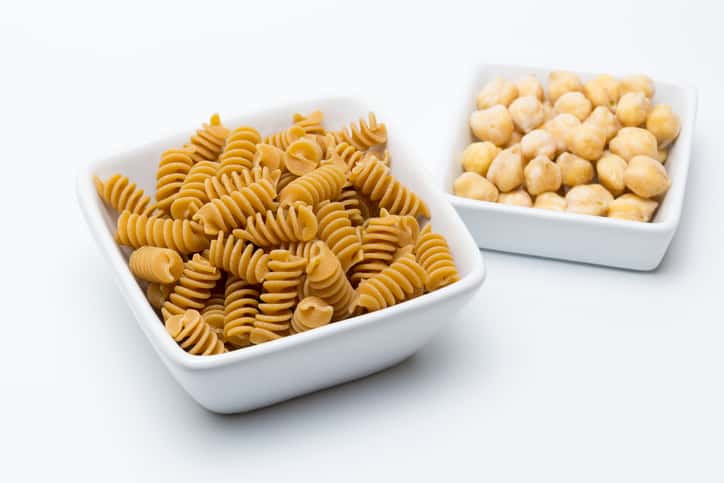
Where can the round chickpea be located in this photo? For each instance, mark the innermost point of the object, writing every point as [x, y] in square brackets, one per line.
[589, 199]
[478, 156]
[518, 197]
[559, 128]
[497, 91]
[493, 124]
[542, 175]
[637, 83]
[664, 124]
[602, 91]
[610, 170]
[560, 82]
[573, 103]
[574, 170]
[527, 113]
[529, 85]
[472, 185]
[604, 119]
[632, 207]
[506, 170]
[586, 141]
[646, 177]
[632, 141]
[632, 108]
[550, 201]
[538, 142]
[661, 155]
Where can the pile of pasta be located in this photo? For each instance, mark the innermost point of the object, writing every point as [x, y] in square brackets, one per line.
[251, 238]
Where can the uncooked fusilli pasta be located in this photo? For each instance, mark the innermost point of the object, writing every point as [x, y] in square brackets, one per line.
[303, 156]
[193, 334]
[239, 150]
[175, 164]
[208, 142]
[335, 228]
[155, 264]
[323, 183]
[434, 255]
[136, 231]
[311, 312]
[194, 287]
[326, 280]
[364, 134]
[287, 224]
[239, 258]
[121, 194]
[241, 306]
[192, 194]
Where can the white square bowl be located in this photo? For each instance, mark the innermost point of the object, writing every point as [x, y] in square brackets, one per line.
[569, 236]
[278, 370]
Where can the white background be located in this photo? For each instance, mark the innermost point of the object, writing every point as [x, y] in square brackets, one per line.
[557, 372]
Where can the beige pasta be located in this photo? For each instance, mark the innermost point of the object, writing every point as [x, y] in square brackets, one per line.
[349, 154]
[269, 156]
[280, 294]
[311, 313]
[239, 258]
[303, 156]
[364, 134]
[157, 265]
[298, 248]
[312, 124]
[225, 184]
[335, 228]
[192, 194]
[136, 231]
[208, 142]
[433, 253]
[352, 203]
[285, 179]
[373, 178]
[380, 240]
[230, 211]
[403, 279]
[324, 183]
[241, 306]
[121, 194]
[193, 334]
[213, 313]
[175, 164]
[193, 288]
[287, 224]
[326, 280]
[239, 150]
[157, 294]
[283, 139]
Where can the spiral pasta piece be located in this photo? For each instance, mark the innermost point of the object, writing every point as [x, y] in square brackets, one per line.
[324, 183]
[335, 228]
[213, 313]
[157, 294]
[380, 241]
[193, 288]
[241, 305]
[312, 124]
[311, 313]
[192, 194]
[364, 134]
[372, 178]
[296, 222]
[136, 231]
[326, 280]
[208, 142]
[283, 139]
[280, 294]
[239, 258]
[303, 156]
[349, 154]
[269, 156]
[230, 211]
[433, 253]
[225, 184]
[193, 334]
[298, 249]
[121, 194]
[285, 179]
[157, 265]
[239, 150]
[175, 164]
[402, 280]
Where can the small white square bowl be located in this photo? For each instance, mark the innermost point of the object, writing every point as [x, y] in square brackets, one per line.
[278, 370]
[582, 238]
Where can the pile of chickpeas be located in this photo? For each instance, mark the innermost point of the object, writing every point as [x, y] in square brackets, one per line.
[597, 148]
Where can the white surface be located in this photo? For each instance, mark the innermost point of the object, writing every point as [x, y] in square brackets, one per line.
[570, 236]
[315, 359]
[557, 372]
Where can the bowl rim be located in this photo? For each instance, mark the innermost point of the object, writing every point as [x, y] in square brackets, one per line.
[689, 96]
[93, 210]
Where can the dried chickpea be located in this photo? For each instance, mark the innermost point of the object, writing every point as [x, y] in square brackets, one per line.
[610, 170]
[550, 201]
[574, 170]
[632, 108]
[560, 82]
[661, 155]
[602, 91]
[604, 119]
[586, 141]
[663, 124]
[559, 127]
[646, 177]
[538, 142]
[506, 171]
[493, 124]
[637, 83]
[542, 175]
[573, 103]
[497, 91]
[632, 207]
[527, 113]
[589, 199]
[529, 85]
[632, 141]
[478, 156]
[472, 185]
[518, 197]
